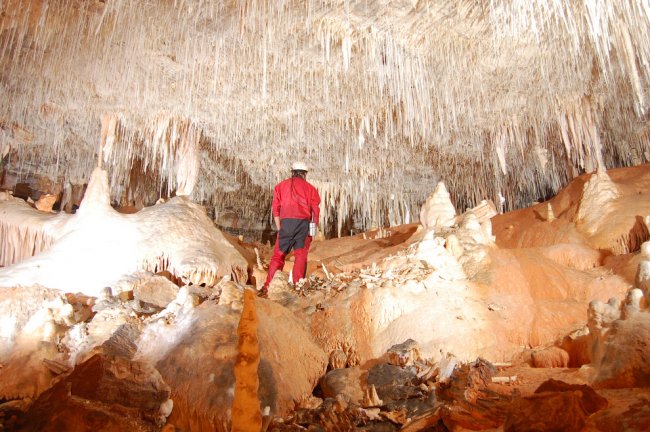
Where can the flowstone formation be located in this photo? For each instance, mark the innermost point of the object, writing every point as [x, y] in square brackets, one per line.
[614, 342]
[450, 282]
[97, 247]
[603, 210]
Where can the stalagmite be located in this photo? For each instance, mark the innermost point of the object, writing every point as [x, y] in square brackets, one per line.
[634, 303]
[259, 273]
[406, 353]
[550, 215]
[642, 278]
[246, 414]
[598, 195]
[438, 211]
[371, 399]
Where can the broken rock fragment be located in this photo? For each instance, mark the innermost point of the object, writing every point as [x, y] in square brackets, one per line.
[404, 354]
[120, 393]
[156, 290]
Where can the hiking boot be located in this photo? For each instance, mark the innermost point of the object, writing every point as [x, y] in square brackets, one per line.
[263, 293]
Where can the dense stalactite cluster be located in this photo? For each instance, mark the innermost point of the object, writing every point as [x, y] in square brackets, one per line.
[493, 97]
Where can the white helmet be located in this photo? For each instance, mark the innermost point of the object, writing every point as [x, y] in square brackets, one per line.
[299, 166]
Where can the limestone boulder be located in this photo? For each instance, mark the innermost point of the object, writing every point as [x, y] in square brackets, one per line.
[280, 290]
[348, 383]
[156, 290]
[57, 410]
[629, 411]
[119, 380]
[109, 387]
[291, 362]
[591, 401]
[547, 412]
[46, 202]
[32, 322]
[231, 293]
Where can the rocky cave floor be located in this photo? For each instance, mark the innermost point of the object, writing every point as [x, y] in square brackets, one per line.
[543, 327]
[400, 390]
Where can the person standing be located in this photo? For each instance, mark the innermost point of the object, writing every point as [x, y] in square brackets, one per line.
[295, 204]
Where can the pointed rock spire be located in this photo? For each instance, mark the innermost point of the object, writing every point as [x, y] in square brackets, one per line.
[438, 211]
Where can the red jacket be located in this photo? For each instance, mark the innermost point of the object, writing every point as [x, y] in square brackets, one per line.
[295, 198]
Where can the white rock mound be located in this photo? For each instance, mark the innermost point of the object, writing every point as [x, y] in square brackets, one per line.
[98, 247]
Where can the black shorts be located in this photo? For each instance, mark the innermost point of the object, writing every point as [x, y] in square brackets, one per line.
[293, 233]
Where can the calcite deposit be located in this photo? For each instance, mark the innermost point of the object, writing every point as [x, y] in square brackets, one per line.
[484, 193]
[97, 247]
[438, 210]
[598, 199]
[404, 327]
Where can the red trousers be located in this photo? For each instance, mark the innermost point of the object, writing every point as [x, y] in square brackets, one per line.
[299, 265]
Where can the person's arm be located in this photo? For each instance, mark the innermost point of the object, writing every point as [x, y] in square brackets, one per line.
[275, 207]
[315, 206]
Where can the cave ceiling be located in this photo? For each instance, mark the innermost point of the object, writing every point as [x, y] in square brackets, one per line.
[382, 99]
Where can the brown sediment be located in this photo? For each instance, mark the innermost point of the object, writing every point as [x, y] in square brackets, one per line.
[246, 415]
